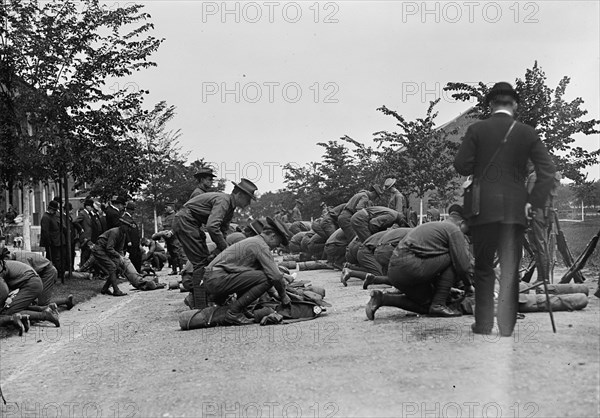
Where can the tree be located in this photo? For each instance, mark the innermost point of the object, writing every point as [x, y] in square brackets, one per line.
[419, 156]
[556, 120]
[65, 56]
[61, 58]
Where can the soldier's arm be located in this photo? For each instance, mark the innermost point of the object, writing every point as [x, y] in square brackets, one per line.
[363, 202]
[459, 254]
[111, 246]
[214, 222]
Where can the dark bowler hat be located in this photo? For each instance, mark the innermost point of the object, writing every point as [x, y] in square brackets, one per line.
[58, 200]
[247, 187]
[502, 88]
[170, 204]
[118, 199]
[204, 172]
[53, 204]
[280, 229]
[88, 202]
[130, 206]
[377, 189]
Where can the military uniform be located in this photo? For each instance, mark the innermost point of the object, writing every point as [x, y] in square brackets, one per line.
[214, 210]
[335, 248]
[107, 253]
[20, 276]
[198, 191]
[296, 214]
[428, 261]
[43, 268]
[370, 220]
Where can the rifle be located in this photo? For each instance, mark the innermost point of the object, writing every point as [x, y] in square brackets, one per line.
[544, 271]
[581, 260]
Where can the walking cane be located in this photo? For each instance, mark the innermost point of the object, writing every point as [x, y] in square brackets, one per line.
[543, 241]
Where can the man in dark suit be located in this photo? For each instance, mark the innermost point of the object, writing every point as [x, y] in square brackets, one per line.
[133, 247]
[505, 204]
[113, 212]
[100, 221]
[86, 224]
[53, 238]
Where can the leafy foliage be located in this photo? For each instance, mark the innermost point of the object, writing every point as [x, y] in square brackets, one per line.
[56, 58]
[419, 156]
[556, 120]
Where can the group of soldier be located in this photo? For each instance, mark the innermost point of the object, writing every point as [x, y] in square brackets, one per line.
[104, 234]
[358, 237]
[365, 239]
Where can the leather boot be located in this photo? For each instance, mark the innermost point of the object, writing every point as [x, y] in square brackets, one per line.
[68, 302]
[235, 314]
[113, 282]
[47, 314]
[374, 303]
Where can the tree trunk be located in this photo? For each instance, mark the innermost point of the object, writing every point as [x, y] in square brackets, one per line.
[26, 218]
[68, 226]
[155, 220]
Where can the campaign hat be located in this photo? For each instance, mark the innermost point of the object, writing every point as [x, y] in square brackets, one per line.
[280, 229]
[204, 172]
[247, 187]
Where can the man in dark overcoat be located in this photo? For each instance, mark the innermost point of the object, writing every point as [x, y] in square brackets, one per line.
[505, 204]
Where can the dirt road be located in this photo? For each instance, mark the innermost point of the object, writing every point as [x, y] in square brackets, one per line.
[126, 357]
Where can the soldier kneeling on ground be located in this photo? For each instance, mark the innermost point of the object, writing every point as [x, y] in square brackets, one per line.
[20, 286]
[248, 269]
[425, 265]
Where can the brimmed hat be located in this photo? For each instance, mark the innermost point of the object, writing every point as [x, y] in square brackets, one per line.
[88, 202]
[256, 226]
[130, 206]
[204, 172]
[54, 204]
[58, 200]
[247, 187]
[456, 209]
[280, 229]
[377, 189]
[389, 183]
[170, 204]
[501, 88]
[118, 199]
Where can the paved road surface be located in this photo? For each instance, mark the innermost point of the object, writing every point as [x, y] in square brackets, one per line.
[126, 357]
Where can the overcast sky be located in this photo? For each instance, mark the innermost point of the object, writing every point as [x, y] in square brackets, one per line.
[258, 84]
